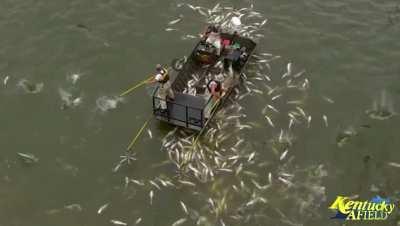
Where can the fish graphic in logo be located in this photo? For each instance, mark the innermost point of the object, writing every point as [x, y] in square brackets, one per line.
[377, 208]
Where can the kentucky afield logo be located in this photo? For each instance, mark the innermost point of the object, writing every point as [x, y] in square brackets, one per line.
[375, 209]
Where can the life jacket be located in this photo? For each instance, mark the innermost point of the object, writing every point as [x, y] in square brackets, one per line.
[219, 87]
[164, 73]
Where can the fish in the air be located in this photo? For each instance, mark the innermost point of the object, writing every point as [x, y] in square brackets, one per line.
[150, 133]
[328, 99]
[325, 120]
[291, 123]
[289, 68]
[276, 97]
[138, 221]
[174, 21]
[102, 208]
[77, 101]
[309, 121]
[6, 80]
[269, 121]
[151, 195]
[179, 222]
[118, 222]
[283, 155]
[184, 208]
[27, 157]
[74, 207]
[394, 164]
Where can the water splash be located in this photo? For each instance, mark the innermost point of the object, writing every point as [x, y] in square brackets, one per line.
[31, 88]
[73, 78]
[68, 100]
[106, 103]
[382, 107]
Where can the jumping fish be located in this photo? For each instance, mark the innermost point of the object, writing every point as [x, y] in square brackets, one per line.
[174, 21]
[151, 195]
[6, 80]
[291, 122]
[28, 158]
[394, 164]
[328, 99]
[289, 69]
[272, 108]
[325, 120]
[308, 121]
[102, 208]
[283, 155]
[269, 121]
[184, 208]
[179, 222]
[276, 97]
[150, 133]
[270, 177]
[118, 222]
[138, 221]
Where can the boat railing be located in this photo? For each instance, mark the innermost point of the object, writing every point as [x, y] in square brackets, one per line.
[187, 119]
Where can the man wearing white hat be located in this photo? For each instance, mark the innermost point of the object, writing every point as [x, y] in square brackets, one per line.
[165, 89]
[235, 24]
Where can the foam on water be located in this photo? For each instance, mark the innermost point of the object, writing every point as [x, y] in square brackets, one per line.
[68, 99]
[106, 103]
[28, 87]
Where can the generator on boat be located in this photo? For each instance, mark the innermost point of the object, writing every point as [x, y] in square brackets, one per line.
[193, 106]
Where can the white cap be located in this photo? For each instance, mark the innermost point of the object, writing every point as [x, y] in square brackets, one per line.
[236, 21]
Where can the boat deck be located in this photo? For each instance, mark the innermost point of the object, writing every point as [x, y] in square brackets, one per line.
[193, 111]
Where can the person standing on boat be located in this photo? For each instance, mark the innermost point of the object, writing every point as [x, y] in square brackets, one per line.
[215, 86]
[164, 90]
[214, 39]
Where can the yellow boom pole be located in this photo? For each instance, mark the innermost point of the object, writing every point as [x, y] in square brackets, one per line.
[135, 87]
[138, 134]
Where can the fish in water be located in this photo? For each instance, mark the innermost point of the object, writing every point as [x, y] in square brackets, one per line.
[272, 108]
[27, 157]
[74, 78]
[151, 196]
[276, 97]
[74, 207]
[309, 121]
[174, 21]
[179, 222]
[170, 29]
[184, 208]
[325, 120]
[343, 137]
[128, 157]
[118, 222]
[138, 221]
[269, 121]
[6, 80]
[328, 99]
[150, 133]
[77, 101]
[283, 155]
[83, 26]
[291, 123]
[394, 164]
[289, 68]
[102, 208]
